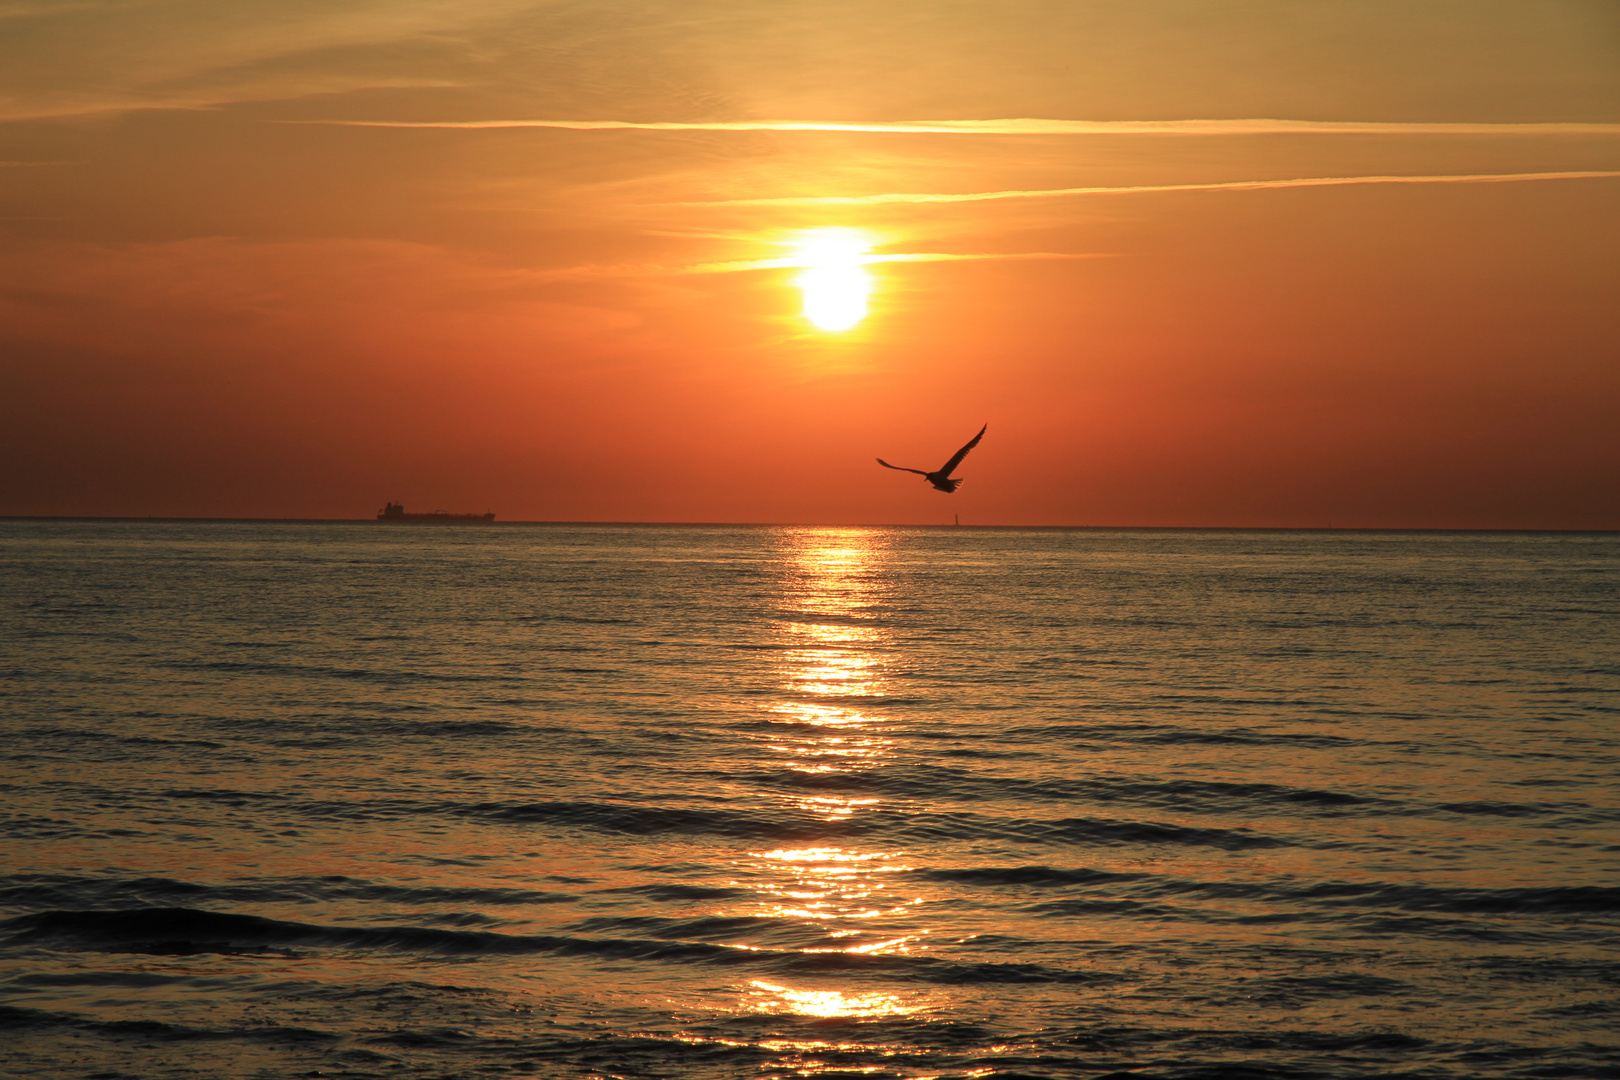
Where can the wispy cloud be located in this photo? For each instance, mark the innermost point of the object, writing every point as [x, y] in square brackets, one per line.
[1023, 126]
[790, 262]
[631, 270]
[1236, 185]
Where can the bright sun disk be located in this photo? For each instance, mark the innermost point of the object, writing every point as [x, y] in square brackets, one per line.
[835, 283]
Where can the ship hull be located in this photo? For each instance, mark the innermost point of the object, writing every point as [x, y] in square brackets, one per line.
[396, 512]
[449, 519]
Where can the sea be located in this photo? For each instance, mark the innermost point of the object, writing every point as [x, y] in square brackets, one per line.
[351, 799]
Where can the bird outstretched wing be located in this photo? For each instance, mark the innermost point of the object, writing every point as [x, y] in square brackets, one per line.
[901, 468]
[956, 459]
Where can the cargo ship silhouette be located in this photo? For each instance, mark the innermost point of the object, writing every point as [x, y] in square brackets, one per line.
[396, 512]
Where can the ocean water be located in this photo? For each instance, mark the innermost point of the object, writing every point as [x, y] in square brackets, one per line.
[354, 800]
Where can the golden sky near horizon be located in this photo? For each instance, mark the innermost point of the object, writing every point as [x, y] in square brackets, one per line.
[1195, 263]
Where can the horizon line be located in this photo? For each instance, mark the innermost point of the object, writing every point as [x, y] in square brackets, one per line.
[1030, 126]
[807, 525]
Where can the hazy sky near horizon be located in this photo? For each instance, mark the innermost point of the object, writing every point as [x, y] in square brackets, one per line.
[296, 259]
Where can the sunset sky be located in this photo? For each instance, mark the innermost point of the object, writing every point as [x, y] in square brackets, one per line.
[1214, 263]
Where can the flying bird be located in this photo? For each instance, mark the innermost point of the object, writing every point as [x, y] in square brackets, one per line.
[941, 478]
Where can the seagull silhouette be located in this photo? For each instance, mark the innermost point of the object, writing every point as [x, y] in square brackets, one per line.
[941, 479]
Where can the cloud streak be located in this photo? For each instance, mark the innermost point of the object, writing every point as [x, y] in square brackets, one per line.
[1235, 185]
[623, 270]
[794, 263]
[1022, 126]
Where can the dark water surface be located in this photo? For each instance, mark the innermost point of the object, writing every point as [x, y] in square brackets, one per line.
[402, 801]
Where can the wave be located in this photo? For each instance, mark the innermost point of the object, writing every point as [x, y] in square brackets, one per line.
[45, 891]
[66, 734]
[563, 617]
[652, 816]
[384, 676]
[1525, 900]
[29, 827]
[794, 825]
[933, 783]
[21, 1020]
[327, 730]
[1174, 735]
[190, 931]
[677, 892]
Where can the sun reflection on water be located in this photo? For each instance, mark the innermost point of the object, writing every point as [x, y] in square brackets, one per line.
[831, 883]
[770, 998]
[827, 726]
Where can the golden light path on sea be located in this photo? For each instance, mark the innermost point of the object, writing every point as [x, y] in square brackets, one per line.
[824, 730]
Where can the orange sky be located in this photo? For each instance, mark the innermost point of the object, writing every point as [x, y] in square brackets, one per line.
[225, 291]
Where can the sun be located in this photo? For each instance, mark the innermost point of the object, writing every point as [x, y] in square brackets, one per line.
[835, 283]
